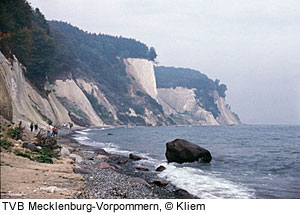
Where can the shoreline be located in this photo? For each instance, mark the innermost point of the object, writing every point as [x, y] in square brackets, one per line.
[109, 175]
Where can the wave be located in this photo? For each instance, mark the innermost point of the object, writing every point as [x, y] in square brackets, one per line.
[204, 185]
[81, 138]
[194, 180]
[84, 132]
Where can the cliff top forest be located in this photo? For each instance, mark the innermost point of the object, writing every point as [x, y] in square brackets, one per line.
[47, 49]
[52, 50]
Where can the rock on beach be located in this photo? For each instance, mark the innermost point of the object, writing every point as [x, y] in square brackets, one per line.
[136, 157]
[181, 151]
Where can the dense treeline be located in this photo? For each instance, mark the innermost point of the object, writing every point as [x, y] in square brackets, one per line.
[170, 77]
[56, 49]
[98, 55]
[25, 33]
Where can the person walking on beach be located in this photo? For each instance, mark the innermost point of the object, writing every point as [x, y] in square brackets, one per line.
[53, 131]
[31, 127]
[36, 127]
[56, 131]
[70, 125]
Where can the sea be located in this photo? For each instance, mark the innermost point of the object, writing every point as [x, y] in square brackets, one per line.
[248, 161]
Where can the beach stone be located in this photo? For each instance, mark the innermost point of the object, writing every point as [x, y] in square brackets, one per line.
[102, 157]
[104, 165]
[80, 170]
[64, 152]
[139, 180]
[30, 146]
[142, 169]
[181, 151]
[89, 155]
[101, 152]
[122, 161]
[160, 168]
[25, 136]
[136, 157]
[77, 158]
[183, 194]
[160, 182]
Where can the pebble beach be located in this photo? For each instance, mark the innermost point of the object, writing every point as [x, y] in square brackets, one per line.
[111, 176]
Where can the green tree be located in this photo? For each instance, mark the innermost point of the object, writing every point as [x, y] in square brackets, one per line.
[152, 54]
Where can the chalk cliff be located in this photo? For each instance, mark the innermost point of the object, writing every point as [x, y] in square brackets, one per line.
[181, 103]
[93, 89]
[79, 100]
[96, 79]
[190, 97]
[143, 73]
[226, 117]
[64, 103]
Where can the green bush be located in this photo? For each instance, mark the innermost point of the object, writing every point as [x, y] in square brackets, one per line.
[13, 132]
[48, 153]
[44, 159]
[23, 155]
[5, 144]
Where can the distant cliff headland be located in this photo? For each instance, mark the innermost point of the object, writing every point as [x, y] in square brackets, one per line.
[55, 73]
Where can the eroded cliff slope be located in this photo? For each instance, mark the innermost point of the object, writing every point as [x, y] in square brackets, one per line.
[96, 79]
[190, 97]
[64, 103]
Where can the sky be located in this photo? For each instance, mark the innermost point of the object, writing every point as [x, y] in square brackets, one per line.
[253, 46]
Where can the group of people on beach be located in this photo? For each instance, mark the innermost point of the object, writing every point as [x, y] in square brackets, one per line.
[51, 131]
[54, 129]
[35, 126]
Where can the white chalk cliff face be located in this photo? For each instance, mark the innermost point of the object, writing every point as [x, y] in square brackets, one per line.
[93, 89]
[74, 99]
[6, 109]
[181, 102]
[143, 72]
[226, 117]
[66, 100]
[29, 106]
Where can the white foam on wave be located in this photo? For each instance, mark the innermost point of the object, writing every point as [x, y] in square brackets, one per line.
[116, 150]
[86, 130]
[81, 138]
[82, 132]
[203, 184]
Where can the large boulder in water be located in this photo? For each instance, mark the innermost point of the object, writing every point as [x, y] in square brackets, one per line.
[181, 151]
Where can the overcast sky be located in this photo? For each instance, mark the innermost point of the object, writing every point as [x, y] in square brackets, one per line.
[253, 46]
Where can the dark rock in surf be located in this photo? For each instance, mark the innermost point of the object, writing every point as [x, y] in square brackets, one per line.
[181, 151]
[142, 169]
[183, 194]
[160, 182]
[101, 152]
[136, 157]
[160, 168]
